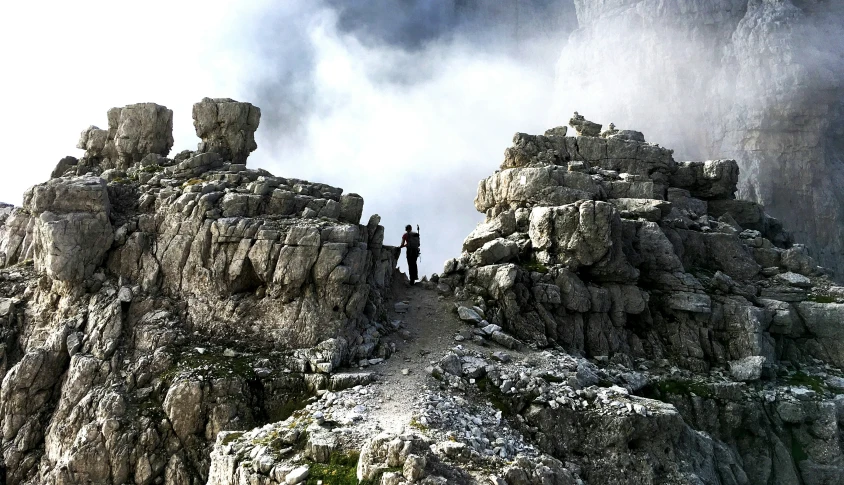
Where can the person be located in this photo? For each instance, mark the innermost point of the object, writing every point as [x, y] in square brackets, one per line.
[410, 240]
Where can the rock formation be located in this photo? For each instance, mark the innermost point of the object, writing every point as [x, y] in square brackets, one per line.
[609, 249]
[664, 332]
[758, 81]
[621, 317]
[150, 302]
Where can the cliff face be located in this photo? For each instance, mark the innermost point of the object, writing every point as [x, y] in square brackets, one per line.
[150, 302]
[757, 81]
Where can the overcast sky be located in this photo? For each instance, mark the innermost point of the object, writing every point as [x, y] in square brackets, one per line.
[408, 103]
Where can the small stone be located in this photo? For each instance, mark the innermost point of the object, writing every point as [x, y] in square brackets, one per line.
[229, 353]
[468, 315]
[501, 356]
[125, 295]
[414, 467]
[795, 279]
[298, 475]
[405, 371]
[748, 368]
[803, 394]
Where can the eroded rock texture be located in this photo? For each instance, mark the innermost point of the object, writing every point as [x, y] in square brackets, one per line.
[606, 247]
[148, 303]
[757, 81]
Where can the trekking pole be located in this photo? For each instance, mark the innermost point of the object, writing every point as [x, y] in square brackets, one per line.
[420, 250]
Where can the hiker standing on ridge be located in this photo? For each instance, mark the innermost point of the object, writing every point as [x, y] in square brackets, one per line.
[410, 240]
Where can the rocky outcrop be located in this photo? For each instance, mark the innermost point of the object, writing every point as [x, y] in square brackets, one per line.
[684, 271]
[226, 127]
[150, 303]
[757, 81]
[189, 321]
[134, 131]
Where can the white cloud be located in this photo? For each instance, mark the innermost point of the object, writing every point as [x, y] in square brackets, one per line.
[414, 149]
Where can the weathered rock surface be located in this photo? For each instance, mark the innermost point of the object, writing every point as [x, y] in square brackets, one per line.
[149, 303]
[134, 131]
[687, 273]
[226, 127]
[187, 321]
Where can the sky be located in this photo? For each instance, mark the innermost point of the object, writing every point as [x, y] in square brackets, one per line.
[408, 103]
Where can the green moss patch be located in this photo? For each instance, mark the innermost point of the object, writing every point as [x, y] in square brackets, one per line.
[534, 266]
[341, 469]
[821, 298]
[212, 365]
[231, 437]
[154, 168]
[800, 378]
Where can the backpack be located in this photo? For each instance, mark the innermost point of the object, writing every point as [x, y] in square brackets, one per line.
[413, 241]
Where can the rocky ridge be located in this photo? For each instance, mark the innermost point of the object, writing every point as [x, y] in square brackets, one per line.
[619, 317]
[151, 302]
[605, 247]
[620, 325]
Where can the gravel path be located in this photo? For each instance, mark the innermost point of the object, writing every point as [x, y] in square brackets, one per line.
[427, 333]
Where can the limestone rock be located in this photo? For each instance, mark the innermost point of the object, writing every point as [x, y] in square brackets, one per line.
[748, 368]
[140, 129]
[72, 229]
[712, 179]
[63, 166]
[226, 127]
[527, 187]
[583, 126]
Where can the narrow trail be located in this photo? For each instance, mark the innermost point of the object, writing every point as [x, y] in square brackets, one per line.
[427, 332]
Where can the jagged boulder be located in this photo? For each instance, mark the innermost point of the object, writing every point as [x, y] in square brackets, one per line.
[141, 129]
[226, 127]
[712, 179]
[72, 230]
[579, 235]
[528, 187]
[583, 126]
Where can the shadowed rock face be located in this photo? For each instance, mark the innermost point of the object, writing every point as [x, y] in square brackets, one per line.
[756, 81]
[154, 302]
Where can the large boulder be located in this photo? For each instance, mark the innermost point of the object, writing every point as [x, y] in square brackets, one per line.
[226, 127]
[534, 186]
[583, 234]
[712, 179]
[72, 228]
[134, 131]
[141, 129]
